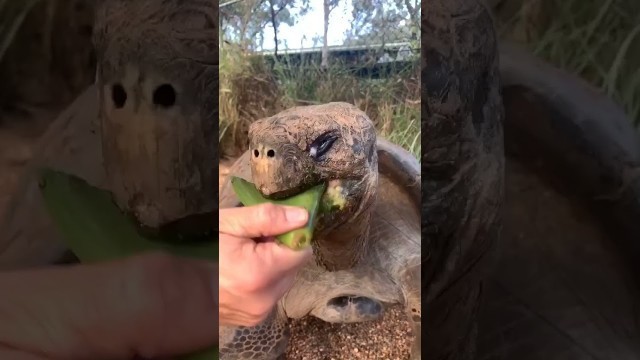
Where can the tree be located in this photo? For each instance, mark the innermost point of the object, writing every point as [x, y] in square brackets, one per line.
[244, 22]
[274, 10]
[240, 25]
[383, 21]
[328, 7]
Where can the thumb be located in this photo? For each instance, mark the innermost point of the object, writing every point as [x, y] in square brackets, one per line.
[153, 305]
[261, 220]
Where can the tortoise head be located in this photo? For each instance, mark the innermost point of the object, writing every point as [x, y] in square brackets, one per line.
[305, 146]
[156, 78]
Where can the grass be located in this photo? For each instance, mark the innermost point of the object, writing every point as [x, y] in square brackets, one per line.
[12, 15]
[597, 40]
[251, 89]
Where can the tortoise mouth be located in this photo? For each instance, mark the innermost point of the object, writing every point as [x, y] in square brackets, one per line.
[293, 191]
[283, 194]
[193, 228]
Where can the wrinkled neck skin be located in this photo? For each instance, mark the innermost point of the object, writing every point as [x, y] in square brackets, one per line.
[343, 246]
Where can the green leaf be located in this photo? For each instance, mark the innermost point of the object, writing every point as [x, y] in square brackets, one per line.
[309, 199]
[95, 229]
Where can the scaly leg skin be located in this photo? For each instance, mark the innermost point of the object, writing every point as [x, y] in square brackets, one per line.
[413, 305]
[267, 341]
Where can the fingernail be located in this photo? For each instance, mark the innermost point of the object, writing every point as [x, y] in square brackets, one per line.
[295, 214]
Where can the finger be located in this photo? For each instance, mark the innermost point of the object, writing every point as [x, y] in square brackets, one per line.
[265, 258]
[280, 258]
[153, 305]
[261, 220]
[19, 355]
[263, 263]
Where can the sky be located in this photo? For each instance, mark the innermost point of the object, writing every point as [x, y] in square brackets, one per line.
[302, 33]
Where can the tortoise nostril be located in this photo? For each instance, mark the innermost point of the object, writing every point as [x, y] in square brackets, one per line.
[118, 95]
[256, 153]
[271, 153]
[164, 95]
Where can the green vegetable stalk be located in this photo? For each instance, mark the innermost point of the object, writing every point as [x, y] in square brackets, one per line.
[296, 239]
[96, 230]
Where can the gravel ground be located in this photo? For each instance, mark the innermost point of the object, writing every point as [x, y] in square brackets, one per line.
[388, 338]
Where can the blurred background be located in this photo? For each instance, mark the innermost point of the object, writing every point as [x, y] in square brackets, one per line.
[46, 60]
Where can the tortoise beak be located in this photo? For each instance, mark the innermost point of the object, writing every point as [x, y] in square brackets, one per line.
[279, 171]
[266, 170]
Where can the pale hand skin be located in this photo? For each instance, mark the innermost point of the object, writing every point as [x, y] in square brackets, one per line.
[254, 275]
[152, 305]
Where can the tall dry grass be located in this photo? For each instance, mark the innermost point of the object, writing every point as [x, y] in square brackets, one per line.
[12, 15]
[597, 40]
[46, 54]
[251, 88]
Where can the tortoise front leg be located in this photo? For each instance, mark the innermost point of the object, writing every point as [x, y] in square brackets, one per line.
[266, 341]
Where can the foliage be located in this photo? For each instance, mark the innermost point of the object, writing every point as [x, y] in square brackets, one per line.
[45, 55]
[12, 14]
[252, 89]
[597, 40]
[384, 21]
[244, 22]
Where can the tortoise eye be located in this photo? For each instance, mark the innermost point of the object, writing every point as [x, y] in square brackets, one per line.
[321, 145]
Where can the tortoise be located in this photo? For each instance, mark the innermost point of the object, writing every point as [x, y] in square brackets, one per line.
[535, 257]
[367, 254]
[145, 130]
[589, 155]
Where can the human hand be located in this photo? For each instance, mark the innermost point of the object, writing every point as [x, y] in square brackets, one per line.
[150, 306]
[254, 275]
